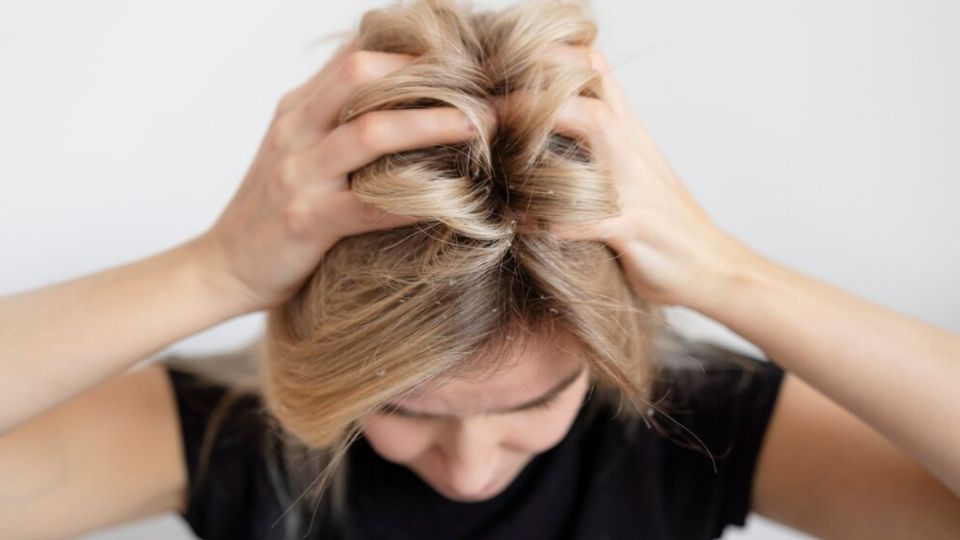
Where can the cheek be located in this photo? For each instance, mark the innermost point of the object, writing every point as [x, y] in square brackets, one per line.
[396, 439]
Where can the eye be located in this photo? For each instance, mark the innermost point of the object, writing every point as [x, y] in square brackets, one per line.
[545, 404]
[392, 410]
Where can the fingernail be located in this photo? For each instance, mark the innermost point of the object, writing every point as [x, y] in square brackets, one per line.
[492, 112]
[468, 123]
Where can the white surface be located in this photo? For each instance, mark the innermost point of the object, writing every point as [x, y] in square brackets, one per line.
[820, 133]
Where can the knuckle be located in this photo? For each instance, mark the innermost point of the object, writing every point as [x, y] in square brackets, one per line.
[299, 217]
[310, 108]
[597, 59]
[285, 102]
[370, 213]
[280, 135]
[369, 130]
[286, 176]
[358, 67]
[598, 115]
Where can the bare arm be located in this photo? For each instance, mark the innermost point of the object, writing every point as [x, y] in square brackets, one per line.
[111, 455]
[292, 206]
[58, 341]
[897, 373]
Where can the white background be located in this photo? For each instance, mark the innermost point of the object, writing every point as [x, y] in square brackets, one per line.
[821, 133]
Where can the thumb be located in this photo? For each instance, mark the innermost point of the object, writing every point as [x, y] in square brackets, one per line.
[360, 217]
[600, 230]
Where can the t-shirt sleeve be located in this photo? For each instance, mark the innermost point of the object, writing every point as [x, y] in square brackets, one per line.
[724, 404]
[220, 437]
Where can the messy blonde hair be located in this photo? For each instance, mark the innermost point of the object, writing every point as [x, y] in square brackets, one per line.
[390, 311]
[459, 293]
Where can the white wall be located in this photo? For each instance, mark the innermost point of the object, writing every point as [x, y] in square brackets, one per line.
[822, 133]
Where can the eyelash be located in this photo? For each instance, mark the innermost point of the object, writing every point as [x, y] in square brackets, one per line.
[544, 404]
[396, 412]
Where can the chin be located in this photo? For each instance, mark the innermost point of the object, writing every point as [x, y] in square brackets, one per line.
[487, 493]
[491, 490]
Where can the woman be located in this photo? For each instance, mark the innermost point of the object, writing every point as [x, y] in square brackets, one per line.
[485, 359]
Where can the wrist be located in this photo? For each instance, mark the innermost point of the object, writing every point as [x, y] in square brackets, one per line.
[203, 263]
[733, 275]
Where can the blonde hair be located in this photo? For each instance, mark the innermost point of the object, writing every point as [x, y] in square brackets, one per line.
[390, 311]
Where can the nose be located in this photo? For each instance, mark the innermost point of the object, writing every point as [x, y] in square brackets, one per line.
[470, 454]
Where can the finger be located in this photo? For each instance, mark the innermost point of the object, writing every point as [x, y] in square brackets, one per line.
[610, 90]
[344, 214]
[319, 112]
[615, 97]
[605, 230]
[592, 121]
[612, 94]
[296, 96]
[370, 135]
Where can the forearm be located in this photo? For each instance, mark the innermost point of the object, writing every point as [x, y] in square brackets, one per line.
[57, 341]
[896, 373]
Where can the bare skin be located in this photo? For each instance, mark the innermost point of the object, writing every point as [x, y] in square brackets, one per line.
[897, 373]
[894, 377]
[469, 438]
[291, 207]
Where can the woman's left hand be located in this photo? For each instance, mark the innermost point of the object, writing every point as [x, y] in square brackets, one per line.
[670, 249]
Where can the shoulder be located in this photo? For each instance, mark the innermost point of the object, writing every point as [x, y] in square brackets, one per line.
[229, 445]
[713, 399]
[217, 419]
[705, 397]
[710, 412]
[219, 405]
[714, 390]
[683, 468]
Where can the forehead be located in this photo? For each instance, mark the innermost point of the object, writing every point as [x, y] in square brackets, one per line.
[529, 372]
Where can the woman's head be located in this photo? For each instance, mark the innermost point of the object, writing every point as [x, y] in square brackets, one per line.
[477, 307]
[469, 437]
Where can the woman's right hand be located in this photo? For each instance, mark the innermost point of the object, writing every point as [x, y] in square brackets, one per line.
[295, 203]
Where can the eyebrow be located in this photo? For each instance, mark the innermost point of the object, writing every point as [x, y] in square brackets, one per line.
[546, 396]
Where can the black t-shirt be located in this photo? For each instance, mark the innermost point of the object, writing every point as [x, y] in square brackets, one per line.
[608, 479]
